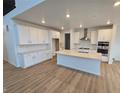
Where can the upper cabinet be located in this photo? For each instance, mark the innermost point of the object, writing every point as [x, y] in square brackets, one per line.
[45, 36]
[55, 34]
[32, 35]
[23, 34]
[94, 37]
[105, 35]
[76, 37]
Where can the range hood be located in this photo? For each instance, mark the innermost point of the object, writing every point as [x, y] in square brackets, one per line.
[85, 37]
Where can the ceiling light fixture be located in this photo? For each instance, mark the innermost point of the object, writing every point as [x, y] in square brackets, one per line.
[80, 25]
[108, 22]
[68, 13]
[43, 21]
[117, 3]
[62, 28]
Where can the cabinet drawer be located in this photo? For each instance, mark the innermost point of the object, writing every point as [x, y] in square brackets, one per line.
[104, 58]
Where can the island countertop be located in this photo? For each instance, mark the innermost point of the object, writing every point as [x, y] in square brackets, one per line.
[96, 56]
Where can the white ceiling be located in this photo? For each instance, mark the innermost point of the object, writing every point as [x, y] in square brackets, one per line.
[87, 12]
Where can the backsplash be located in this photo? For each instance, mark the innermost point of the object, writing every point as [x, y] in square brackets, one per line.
[85, 44]
[24, 48]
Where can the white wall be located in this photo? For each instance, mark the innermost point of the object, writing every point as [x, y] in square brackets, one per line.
[116, 53]
[10, 42]
[115, 44]
[5, 55]
[53, 46]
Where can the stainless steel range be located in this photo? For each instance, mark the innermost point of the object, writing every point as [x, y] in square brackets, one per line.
[83, 50]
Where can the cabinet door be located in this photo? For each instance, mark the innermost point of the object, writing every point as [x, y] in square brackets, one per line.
[40, 36]
[55, 34]
[58, 35]
[23, 33]
[27, 60]
[100, 35]
[104, 35]
[33, 58]
[107, 34]
[39, 56]
[45, 36]
[76, 36]
[33, 35]
[94, 37]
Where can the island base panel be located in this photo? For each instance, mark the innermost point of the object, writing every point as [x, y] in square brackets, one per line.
[83, 64]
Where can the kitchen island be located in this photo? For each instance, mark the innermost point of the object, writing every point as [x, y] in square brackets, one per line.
[87, 62]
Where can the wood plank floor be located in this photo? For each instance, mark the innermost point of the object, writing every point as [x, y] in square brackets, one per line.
[48, 77]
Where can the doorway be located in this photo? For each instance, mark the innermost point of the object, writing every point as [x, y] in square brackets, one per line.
[55, 46]
[67, 41]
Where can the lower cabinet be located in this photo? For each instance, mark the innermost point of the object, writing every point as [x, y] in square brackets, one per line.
[105, 59]
[30, 59]
[27, 60]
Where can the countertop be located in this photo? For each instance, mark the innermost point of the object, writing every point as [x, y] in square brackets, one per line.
[97, 56]
[31, 51]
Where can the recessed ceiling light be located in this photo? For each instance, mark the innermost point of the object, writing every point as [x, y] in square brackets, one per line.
[117, 3]
[62, 28]
[80, 25]
[67, 15]
[43, 21]
[108, 22]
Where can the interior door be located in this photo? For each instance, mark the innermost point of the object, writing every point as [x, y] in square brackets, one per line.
[67, 41]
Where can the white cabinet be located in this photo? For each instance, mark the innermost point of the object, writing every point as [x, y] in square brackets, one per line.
[30, 59]
[43, 36]
[76, 37]
[105, 59]
[94, 37]
[104, 35]
[27, 60]
[55, 34]
[32, 35]
[23, 34]
[39, 36]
